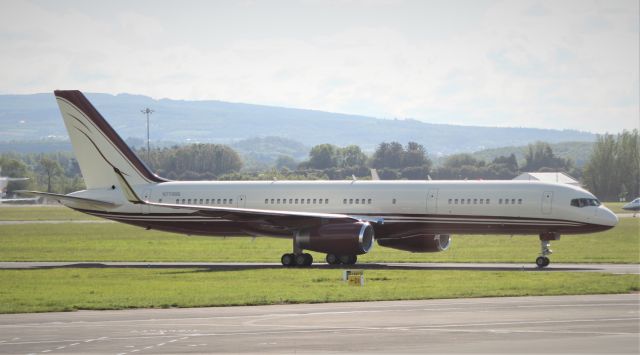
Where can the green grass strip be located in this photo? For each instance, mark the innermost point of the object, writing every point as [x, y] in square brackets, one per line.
[121, 288]
[120, 242]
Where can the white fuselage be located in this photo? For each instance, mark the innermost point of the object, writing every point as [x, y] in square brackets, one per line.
[474, 207]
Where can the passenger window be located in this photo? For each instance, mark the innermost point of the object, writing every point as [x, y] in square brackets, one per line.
[351, 201]
[394, 201]
[449, 201]
[290, 201]
[357, 201]
[481, 201]
[272, 201]
[506, 201]
[177, 201]
[308, 201]
[344, 201]
[369, 201]
[320, 201]
[284, 201]
[475, 201]
[513, 201]
[278, 201]
[183, 201]
[266, 201]
[224, 201]
[314, 201]
[296, 201]
[206, 202]
[519, 201]
[302, 201]
[468, 201]
[455, 202]
[462, 201]
[488, 201]
[230, 201]
[326, 201]
[189, 201]
[201, 201]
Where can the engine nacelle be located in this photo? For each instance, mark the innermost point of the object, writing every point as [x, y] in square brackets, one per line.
[425, 243]
[337, 238]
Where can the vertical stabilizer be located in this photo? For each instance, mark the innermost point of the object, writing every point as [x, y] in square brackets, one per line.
[97, 146]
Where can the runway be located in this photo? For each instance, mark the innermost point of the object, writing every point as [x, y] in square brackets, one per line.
[560, 324]
[554, 267]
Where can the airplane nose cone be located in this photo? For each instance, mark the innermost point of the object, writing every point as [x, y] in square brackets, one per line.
[607, 218]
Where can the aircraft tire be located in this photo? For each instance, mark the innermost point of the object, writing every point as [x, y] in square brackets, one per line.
[288, 260]
[542, 261]
[332, 259]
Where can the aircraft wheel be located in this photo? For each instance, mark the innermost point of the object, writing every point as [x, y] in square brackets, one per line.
[308, 259]
[348, 259]
[542, 261]
[288, 260]
[332, 259]
[303, 259]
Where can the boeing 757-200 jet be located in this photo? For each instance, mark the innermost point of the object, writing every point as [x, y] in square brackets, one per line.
[339, 218]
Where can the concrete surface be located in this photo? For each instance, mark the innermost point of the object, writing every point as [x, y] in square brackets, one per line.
[605, 324]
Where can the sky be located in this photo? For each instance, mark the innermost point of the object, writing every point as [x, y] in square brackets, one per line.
[546, 64]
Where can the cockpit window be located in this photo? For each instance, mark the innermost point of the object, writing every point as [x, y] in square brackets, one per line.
[584, 202]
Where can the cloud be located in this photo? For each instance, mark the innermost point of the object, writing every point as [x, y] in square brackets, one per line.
[568, 64]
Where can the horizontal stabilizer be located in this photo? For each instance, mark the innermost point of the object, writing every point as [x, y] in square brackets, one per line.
[73, 201]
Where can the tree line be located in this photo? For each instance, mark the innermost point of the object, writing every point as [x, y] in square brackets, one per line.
[612, 172]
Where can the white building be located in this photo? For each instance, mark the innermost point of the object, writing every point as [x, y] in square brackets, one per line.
[548, 177]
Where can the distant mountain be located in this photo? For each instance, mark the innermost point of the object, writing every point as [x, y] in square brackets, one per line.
[36, 117]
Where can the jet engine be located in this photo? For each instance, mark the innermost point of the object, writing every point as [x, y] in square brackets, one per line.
[424, 243]
[337, 238]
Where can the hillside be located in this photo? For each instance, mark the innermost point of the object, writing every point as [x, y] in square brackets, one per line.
[579, 152]
[36, 117]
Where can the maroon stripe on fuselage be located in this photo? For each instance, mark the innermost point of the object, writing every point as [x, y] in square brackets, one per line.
[194, 223]
[77, 99]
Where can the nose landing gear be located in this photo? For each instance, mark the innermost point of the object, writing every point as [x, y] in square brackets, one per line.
[545, 243]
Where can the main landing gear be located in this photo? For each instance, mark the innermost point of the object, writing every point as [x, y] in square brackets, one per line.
[302, 259]
[297, 258]
[333, 259]
[545, 243]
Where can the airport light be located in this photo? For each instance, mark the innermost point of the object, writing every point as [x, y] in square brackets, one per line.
[147, 111]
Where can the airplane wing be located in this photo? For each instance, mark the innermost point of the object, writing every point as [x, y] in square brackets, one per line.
[77, 202]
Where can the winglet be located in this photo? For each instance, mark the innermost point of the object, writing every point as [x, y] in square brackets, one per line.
[128, 191]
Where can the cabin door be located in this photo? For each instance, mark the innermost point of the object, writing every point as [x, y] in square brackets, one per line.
[432, 201]
[547, 201]
[241, 201]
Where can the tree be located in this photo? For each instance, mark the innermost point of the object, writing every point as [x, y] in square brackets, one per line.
[14, 168]
[351, 156]
[614, 166]
[285, 161]
[388, 155]
[540, 155]
[416, 156]
[323, 156]
[51, 169]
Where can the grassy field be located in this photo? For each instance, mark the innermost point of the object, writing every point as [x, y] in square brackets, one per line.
[616, 207]
[119, 242]
[63, 289]
[72, 289]
[40, 213]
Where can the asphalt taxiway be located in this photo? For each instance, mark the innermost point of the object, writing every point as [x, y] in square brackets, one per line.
[607, 324]
[606, 268]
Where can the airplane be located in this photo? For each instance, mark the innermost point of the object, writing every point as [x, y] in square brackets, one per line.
[4, 181]
[341, 219]
[633, 206]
